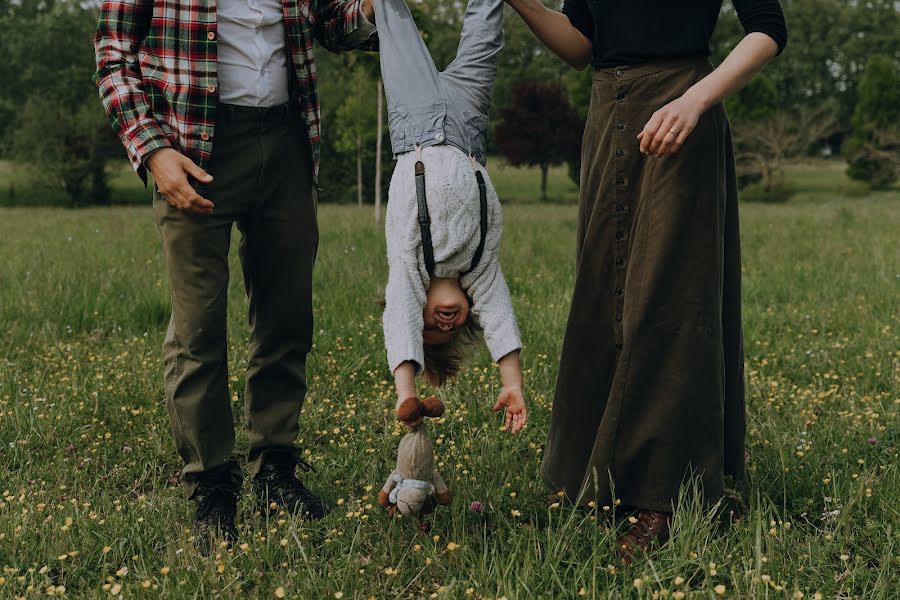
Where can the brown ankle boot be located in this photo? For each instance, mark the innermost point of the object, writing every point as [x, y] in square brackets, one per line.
[647, 530]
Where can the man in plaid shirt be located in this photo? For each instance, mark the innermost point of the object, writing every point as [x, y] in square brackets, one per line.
[217, 100]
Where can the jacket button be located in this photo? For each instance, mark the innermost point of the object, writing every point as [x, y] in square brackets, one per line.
[619, 291]
[204, 136]
[618, 318]
[620, 126]
[439, 136]
[210, 35]
[620, 73]
[620, 96]
[620, 235]
[620, 152]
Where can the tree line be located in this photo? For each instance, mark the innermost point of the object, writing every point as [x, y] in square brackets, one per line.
[836, 89]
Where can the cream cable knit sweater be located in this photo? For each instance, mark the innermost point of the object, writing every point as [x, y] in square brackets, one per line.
[452, 193]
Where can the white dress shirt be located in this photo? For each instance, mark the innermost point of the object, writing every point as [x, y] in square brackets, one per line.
[252, 60]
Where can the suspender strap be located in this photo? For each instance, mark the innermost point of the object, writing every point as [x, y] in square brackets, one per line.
[424, 218]
[482, 198]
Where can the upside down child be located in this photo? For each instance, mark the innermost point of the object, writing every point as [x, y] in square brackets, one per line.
[443, 226]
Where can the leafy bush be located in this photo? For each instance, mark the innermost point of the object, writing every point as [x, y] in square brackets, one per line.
[72, 161]
[873, 166]
[757, 100]
[872, 151]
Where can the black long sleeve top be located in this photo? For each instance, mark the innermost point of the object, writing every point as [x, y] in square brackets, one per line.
[639, 31]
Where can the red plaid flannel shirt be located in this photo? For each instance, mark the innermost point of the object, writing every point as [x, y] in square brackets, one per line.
[156, 69]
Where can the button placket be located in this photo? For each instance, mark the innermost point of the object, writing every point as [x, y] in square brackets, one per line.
[620, 207]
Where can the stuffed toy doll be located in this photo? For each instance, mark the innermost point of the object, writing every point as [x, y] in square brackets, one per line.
[414, 487]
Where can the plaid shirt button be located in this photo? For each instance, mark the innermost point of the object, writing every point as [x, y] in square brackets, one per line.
[211, 35]
[211, 89]
[204, 136]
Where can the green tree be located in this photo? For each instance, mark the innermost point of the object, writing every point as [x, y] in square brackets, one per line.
[348, 88]
[56, 124]
[71, 154]
[829, 42]
[357, 130]
[873, 146]
[758, 100]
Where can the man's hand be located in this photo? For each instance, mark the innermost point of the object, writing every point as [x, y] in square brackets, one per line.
[512, 398]
[170, 171]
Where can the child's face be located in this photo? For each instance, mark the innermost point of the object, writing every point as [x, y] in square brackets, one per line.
[446, 310]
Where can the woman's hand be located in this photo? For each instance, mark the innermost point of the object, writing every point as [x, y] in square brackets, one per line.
[669, 127]
[512, 398]
[665, 132]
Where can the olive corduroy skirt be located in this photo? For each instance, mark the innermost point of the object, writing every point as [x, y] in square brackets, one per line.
[650, 388]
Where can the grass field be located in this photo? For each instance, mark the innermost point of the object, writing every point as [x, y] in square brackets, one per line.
[89, 505]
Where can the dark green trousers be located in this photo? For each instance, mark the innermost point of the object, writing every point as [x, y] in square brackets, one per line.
[262, 171]
[651, 385]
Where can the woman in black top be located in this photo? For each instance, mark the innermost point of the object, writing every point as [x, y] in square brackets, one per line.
[650, 390]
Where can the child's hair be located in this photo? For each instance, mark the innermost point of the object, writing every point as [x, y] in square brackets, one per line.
[443, 361]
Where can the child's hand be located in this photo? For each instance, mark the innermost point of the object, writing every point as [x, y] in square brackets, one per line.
[512, 398]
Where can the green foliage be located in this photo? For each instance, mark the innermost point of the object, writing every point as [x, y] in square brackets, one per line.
[829, 41]
[71, 153]
[56, 123]
[878, 98]
[877, 168]
[757, 100]
[47, 53]
[872, 149]
[349, 116]
[523, 58]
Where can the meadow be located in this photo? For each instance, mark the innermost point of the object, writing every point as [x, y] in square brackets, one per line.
[89, 502]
